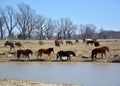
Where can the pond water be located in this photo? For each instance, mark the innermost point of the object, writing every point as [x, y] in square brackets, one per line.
[84, 74]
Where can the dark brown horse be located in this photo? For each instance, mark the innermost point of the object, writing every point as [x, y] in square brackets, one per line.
[96, 44]
[45, 51]
[69, 42]
[25, 53]
[57, 44]
[90, 42]
[12, 44]
[76, 41]
[41, 42]
[101, 50]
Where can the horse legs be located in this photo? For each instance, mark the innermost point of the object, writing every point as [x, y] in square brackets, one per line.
[18, 56]
[10, 49]
[102, 55]
[28, 58]
[39, 54]
[49, 56]
[95, 56]
[68, 58]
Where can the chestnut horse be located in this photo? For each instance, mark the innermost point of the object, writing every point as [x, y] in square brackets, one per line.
[45, 51]
[12, 45]
[69, 42]
[101, 50]
[25, 53]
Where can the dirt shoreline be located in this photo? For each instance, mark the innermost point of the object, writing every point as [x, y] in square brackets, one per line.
[15, 82]
[115, 59]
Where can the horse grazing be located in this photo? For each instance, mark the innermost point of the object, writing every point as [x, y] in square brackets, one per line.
[90, 42]
[69, 42]
[65, 53]
[96, 44]
[45, 51]
[41, 42]
[12, 45]
[101, 50]
[25, 53]
[58, 43]
[76, 41]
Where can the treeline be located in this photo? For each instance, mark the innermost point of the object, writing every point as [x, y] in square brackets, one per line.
[25, 23]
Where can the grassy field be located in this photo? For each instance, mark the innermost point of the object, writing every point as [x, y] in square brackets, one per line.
[81, 48]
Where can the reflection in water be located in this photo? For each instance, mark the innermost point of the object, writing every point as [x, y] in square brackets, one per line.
[85, 74]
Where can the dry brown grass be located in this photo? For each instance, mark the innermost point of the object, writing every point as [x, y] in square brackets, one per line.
[81, 48]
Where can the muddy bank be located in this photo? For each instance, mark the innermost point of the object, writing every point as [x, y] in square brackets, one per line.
[14, 82]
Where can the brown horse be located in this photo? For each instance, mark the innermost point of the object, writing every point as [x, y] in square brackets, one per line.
[25, 53]
[76, 41]
[58, 43]
[101, 50]
[45, 51]
[41, 42]
[90, 42]
[96, 44]
[12, 44]
[69, 42]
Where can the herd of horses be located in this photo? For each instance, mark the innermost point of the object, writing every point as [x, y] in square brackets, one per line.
[60, 54]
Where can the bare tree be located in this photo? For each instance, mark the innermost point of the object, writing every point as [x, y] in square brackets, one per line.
[2, 24]
[9, 19]
[26, 20]
[87, 31]
[40, 26]
[66, 28]
[50, 28]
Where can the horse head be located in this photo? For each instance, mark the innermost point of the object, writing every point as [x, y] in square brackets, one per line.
[51, 50]
[6, 43]
[30, 51]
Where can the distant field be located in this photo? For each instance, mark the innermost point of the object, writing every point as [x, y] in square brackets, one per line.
[81, 47]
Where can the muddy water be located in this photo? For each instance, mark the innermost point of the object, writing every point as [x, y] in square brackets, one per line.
[85, 74]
